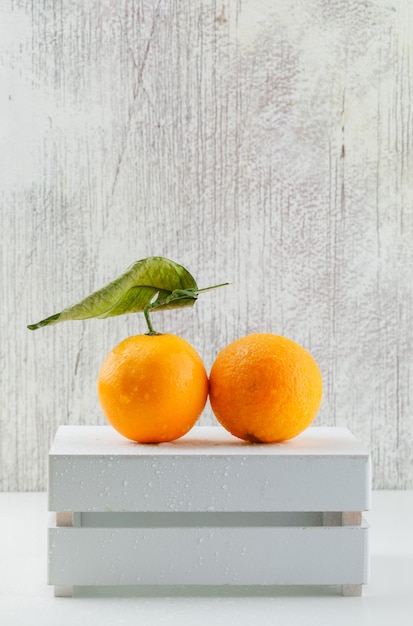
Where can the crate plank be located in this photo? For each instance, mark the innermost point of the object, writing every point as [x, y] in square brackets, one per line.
[202, 556]
[95, 469]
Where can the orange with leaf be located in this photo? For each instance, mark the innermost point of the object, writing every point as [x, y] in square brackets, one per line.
[152, 388]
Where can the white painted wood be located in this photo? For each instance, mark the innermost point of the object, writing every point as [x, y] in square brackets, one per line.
[264, 143]
[208, 509]
[94, 469]
[207, 556]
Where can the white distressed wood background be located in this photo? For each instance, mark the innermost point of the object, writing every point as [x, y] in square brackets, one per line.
[264, 143]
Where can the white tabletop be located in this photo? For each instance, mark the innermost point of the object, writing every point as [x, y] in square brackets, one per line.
[26, 600]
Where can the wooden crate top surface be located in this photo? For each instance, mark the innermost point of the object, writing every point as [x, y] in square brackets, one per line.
[204, 440]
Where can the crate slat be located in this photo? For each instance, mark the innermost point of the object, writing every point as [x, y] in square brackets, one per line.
[94, 469]
[206, 556]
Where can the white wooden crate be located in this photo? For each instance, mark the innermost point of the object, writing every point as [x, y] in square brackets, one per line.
[207, 509]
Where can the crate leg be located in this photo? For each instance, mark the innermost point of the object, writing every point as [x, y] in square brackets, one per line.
[351, 590]
[63, 592]
[346, 518]
[68, 518]
[64, 518]
[351, 518]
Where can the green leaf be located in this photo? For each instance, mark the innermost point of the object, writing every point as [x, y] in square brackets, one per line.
[150, 284]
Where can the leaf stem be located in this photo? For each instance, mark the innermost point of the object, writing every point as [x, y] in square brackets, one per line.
[176, 294]
[151, 329]
[213, 287]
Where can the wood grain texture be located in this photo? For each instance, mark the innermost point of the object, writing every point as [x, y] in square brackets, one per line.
[264, 143]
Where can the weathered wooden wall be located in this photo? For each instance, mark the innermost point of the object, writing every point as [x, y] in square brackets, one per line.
[264, 143]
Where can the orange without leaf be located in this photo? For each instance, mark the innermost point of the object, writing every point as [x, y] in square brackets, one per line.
[152, 388]
[265, 388]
